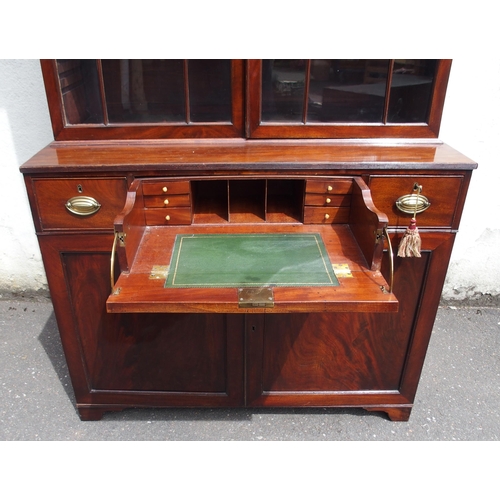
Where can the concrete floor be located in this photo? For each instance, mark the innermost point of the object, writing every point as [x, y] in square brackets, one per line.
[458, 398]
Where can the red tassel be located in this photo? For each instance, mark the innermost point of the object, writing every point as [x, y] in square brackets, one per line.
[410, 243]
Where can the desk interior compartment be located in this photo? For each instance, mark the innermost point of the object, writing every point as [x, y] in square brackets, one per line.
[242, 213]
[247, 201]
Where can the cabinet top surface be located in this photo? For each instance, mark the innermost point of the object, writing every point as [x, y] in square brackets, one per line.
[244, 155]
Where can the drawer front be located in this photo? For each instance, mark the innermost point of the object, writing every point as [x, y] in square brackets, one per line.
[443, 193]
[79, 203]
[329, 186]
[162, 216]
[166, 201]
[328, 200]
[165, 187]
[326, 215]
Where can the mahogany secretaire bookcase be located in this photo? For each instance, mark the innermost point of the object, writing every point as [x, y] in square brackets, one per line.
[226, 232]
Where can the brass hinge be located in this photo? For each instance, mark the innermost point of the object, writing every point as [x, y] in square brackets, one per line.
[159, 273]
[342, 270]
[255, 297]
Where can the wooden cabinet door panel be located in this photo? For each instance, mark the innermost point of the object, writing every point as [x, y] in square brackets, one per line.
[350, 359]
[330, 359]
[138, 359]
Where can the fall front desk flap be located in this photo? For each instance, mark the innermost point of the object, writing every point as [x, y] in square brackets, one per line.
[213, 271]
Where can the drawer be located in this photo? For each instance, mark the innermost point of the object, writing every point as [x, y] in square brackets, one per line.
[95, 202]
[162, 187]
[326, 215]
[443, 193]
[165, 201]
[328, 200]
[162, 216]
[329, 186]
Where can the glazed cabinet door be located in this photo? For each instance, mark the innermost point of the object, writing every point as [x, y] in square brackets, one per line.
[370, 360]
[133, 360]
[345, 98]
[144, 98]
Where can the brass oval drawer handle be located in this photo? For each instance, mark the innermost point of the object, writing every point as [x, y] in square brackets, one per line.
[82, 205]
[413, 203]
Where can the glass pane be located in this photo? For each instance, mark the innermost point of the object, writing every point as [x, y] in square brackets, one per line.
[144, 90]
[411, 90]
[347, 90]
[210, 90]
[80, 90]
[283, 90]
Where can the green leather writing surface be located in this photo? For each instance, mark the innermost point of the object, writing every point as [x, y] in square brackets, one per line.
[239, 260]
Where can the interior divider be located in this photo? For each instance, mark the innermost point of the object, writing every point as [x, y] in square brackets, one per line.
[248, 200]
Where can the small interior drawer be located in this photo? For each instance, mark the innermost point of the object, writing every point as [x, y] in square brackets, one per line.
[79, 203]
[165, 187]
[326, 215]
[328, 200]
[166, 201]
[168, 216]
[329, 186]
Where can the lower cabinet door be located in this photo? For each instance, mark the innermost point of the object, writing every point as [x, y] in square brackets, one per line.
[325, 359]
[370, 360]
[128, 360]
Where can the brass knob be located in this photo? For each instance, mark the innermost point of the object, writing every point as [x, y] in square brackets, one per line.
[328, 200]
[327, 216]
[165, 189]
[165, 202]
[167, 217]
[329, 188]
